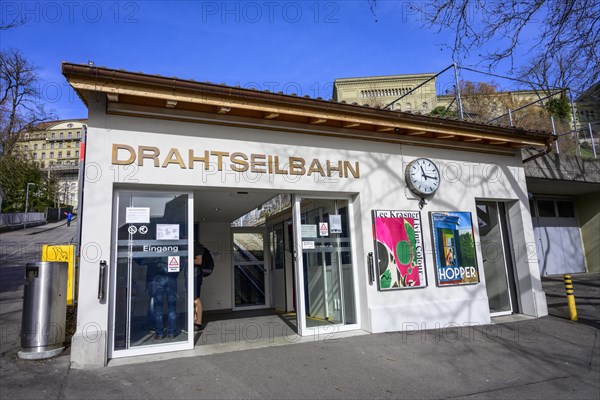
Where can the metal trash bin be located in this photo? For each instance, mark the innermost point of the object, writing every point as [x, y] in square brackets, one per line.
[44, 310]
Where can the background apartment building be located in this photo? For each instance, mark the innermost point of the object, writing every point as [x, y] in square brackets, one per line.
[55, 146]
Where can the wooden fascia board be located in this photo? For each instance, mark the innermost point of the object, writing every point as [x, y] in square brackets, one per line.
[301, 128]
[274, 108]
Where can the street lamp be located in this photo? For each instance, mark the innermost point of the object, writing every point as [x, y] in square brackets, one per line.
[26, 205]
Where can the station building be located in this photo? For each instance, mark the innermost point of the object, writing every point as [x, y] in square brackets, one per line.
[372, 220]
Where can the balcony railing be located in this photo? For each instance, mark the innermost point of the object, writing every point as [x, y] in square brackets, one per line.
[63, 139]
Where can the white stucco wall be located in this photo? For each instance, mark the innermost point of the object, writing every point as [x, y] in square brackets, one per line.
[467, 176]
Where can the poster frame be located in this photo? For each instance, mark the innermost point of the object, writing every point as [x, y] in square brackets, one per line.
[436, 250]
[420, 243]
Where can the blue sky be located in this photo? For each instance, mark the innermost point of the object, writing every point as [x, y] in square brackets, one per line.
[294, 46]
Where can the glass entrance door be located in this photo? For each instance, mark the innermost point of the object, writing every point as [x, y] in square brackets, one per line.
[151, 308]
[497, 259]
[324, 266]
[249, 272]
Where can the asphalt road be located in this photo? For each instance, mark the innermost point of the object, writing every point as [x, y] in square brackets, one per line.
[17, 248]
[545, 358]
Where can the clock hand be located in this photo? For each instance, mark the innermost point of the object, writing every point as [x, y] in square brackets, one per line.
[423, 173]
[431, 177]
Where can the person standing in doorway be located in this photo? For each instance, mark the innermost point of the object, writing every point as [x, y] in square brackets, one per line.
[198, 277]
[164, 284]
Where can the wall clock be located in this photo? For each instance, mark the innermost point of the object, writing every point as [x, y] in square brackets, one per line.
[422, 177]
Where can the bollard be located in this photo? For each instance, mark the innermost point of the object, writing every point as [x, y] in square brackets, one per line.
[570, 298]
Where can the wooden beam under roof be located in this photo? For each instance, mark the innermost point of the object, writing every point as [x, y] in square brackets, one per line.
[83, 83]
[317, 121]
[385, 128]
[271, 115]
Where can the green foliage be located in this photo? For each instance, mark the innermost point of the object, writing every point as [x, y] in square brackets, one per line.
[441, 111]
[15, 173]
[560, 108]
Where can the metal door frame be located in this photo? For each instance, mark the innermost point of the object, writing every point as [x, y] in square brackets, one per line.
[303, 329]
[502, 243]
[155, 348]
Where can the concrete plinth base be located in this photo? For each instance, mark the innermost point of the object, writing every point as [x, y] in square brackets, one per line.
[39, 355]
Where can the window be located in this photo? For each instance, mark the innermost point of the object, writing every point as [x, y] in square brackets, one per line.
[53, 135]
[77, 145]
[69, 125]
[26, 147]
[60, 145]
[546, 208]
[70, 135]
[43, 146]
[77, 153]
[565, 209]
[61, 135]
[43, 156]
[532, 207]
[60, 154]
[35, 146]
[34, 156]
[68, 154]
[51, 145]
[78, 134]
[51, 155]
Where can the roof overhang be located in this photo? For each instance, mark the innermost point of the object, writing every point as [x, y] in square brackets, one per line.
[150, 96]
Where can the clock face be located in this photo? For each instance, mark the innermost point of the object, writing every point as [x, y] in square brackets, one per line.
[422, 177]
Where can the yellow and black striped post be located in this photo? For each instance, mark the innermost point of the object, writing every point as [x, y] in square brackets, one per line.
[570, 298]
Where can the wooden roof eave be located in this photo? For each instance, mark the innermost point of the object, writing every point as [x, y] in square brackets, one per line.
[451, 130]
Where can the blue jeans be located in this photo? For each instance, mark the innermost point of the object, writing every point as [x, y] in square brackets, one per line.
[165, 285]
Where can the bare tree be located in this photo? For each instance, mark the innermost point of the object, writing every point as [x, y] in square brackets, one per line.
[20, 109]
[16, 22]
[570, 28]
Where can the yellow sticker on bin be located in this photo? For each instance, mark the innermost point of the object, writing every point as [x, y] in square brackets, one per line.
[64, 253]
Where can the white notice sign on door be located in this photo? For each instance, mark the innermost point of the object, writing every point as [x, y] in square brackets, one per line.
[308, 245]
[323, 229]
[173, 264]
[137, 215]
[308, 230]
[336, 223]
[167, 231]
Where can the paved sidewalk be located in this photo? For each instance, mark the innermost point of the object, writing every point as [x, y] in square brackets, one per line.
[546, 358]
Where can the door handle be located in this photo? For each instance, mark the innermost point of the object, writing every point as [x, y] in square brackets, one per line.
[102, 273]
[371, 268]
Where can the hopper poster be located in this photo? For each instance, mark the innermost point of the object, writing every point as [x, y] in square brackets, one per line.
[454, 248]
[398, 249]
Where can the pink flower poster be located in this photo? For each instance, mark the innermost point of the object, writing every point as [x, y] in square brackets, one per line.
[398, 249]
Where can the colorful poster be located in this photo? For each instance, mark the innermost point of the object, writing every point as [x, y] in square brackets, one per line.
[454, 248]
[398, 249]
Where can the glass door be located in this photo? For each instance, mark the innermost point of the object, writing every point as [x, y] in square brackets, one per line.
[497, 259]
[151, 309]
[324, 267]
[249, 272]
